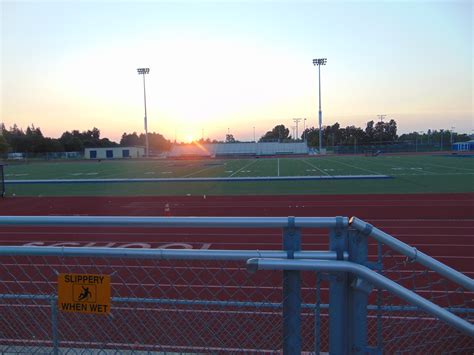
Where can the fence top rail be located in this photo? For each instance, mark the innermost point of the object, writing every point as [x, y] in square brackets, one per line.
[413, 254]
[176, 222]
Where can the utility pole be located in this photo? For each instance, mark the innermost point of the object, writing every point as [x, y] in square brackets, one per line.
[304, 129]
[381, 118]
[296, 120]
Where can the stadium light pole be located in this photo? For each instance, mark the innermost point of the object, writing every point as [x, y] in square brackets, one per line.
[452, 129]
[143, 71]
[319, 62]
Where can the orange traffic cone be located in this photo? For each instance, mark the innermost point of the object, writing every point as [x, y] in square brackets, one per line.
[167, 210]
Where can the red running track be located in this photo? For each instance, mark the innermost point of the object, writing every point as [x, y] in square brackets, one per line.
[440, 225]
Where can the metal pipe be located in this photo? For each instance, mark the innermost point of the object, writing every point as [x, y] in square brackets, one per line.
[163, 254]
[369, 275]
[172, 222]
[413, 253]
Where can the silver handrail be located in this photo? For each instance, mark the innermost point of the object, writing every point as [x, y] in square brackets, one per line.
[369, 275]
[412, 253]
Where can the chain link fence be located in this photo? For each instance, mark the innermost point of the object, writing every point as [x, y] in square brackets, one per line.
[191, 306]
[402, 328]
[207, 301]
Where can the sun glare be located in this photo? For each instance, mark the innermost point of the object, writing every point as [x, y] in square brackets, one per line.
[189, 138]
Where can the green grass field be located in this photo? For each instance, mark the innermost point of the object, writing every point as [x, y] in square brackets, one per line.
[411, 174]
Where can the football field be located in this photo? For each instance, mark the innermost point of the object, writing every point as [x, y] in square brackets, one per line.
[330, 174]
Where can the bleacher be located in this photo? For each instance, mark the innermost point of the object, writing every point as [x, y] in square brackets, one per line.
[226, 149]
[282, 148]
[192, 150]
[238, 149]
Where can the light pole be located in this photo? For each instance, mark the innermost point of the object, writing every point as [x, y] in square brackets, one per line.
[143, 71]
[452, 128]
[254, 135]
[319, 62]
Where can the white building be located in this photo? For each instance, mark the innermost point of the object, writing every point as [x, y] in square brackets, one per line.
[114, 153]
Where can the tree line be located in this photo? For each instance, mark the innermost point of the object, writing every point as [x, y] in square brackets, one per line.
[336, 135]
[373, 134]
[32, 140]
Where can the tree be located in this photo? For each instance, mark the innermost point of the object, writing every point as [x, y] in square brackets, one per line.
[352, 135]
[370, 131]
[278, 133]
[71, 142]
[156, 142]
[312, 136]
[4, 146]
[130, 140]
[229, 138]
[392, 130]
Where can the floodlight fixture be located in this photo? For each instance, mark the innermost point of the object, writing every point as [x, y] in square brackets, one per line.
[143, 71]
[319, 62]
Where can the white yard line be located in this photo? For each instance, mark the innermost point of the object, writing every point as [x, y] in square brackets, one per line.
[200, 171]
[242, 168]
[356, 167]
[314, 166]
[447, 167]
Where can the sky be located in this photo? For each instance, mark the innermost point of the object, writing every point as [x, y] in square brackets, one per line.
[219, 66]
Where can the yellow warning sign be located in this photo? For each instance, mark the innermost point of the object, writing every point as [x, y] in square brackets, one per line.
[84, 293]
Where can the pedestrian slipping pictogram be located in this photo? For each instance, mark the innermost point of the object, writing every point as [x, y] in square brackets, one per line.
[84, 293]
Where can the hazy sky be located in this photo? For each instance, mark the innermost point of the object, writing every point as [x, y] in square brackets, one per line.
[216, 65]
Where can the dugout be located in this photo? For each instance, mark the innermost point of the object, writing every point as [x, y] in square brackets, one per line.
[464, 146]
[114, 153]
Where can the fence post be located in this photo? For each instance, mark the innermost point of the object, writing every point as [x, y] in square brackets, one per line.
[291, 293]
[338, 294]
[54, 324]
[358, 295]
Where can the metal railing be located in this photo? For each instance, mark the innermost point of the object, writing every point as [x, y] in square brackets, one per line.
[206, 301]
